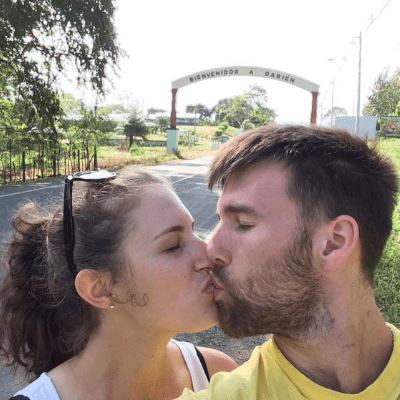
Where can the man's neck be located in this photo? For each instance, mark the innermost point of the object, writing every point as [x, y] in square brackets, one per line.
[350, 356]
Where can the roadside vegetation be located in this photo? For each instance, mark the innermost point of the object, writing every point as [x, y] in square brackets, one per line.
[387, 276]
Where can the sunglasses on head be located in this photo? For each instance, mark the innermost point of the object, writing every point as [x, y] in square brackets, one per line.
[68, 219]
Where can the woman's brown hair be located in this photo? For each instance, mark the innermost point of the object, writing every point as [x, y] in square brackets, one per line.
[43, 320]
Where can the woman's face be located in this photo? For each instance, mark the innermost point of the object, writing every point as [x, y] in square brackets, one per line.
[167, 267]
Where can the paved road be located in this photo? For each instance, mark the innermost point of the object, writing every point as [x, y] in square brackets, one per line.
[189, 181]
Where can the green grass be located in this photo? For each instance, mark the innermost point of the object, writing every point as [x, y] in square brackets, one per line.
[109, 157]
[387, 275]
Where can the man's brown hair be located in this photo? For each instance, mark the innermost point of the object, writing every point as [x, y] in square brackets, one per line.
[331, 173]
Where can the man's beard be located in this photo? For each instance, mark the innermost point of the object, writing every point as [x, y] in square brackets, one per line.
[282, 296]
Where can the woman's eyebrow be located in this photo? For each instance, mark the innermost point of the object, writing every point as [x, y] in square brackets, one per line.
[175, 228]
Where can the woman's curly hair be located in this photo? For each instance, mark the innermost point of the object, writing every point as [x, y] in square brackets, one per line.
[43, 320]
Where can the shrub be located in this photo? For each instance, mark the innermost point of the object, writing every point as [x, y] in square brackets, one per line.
[136, 150]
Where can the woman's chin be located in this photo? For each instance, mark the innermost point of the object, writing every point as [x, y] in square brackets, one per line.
[209, 320]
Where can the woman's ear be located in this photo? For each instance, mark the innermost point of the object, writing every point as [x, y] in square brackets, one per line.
[336, 241]
[93, 287]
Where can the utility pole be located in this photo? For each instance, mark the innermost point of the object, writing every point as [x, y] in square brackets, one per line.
[359, 89]
[333, 90]
[321, 115]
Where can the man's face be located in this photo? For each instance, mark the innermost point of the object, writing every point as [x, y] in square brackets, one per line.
[262, 256]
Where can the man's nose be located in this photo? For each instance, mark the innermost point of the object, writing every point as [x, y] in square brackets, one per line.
[218, 250]
[202, 262]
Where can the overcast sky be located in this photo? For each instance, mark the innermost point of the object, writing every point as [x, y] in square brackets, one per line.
[167, 40]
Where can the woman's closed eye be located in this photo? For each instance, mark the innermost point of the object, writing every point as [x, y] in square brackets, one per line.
[173, 248]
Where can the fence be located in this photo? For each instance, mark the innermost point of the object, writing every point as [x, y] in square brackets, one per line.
[37, 164]
[29, 165]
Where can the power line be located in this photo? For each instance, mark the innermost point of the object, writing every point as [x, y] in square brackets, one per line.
[380, 12]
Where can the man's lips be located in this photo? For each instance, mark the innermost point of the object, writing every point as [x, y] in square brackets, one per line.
[212, 285]
[214, 282]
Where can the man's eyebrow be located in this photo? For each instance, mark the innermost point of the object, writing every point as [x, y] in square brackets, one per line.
[240, 209]
[175, 228]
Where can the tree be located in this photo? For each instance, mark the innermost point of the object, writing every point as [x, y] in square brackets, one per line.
[135, 127]
[220, 110]
[153, 110]
[385, 95]
[222, 128]
[40, 39]
[199, 109]
[162, 124]
[336, 111]
[250, 106]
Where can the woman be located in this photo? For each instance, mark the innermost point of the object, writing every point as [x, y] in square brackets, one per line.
[94, 292]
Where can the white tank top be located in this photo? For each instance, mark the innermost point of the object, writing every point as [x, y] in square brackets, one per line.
[43, 388]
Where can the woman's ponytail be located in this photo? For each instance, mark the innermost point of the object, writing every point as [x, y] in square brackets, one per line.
[29, 334]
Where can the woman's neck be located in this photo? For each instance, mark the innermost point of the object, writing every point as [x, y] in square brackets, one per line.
[134, 366]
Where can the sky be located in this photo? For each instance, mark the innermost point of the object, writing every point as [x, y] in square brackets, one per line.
[313, 39]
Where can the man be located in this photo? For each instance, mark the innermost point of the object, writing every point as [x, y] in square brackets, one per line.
[304, 216]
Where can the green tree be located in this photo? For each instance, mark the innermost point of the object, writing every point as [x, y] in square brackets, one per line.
[252, 106]
[162, 124]
[88, 129]
[222, 128]
[397, 112]
[200, 109]
[385, 95]
[136, 127]
[221, 109]
[40, 39]
[153, 110]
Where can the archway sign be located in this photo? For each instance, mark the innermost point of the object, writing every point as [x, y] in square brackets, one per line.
[245, 71]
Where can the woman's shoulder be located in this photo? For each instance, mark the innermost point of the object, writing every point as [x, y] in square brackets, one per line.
[217, 361]
[41, 389]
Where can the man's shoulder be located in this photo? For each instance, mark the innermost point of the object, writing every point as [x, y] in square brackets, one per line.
[242, 383]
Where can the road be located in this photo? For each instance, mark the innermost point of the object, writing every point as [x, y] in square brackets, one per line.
[188, 177]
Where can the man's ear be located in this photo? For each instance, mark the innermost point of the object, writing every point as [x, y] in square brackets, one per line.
[336, 241]
[93, 287]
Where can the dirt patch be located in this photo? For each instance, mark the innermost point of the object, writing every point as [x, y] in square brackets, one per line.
[239, 349]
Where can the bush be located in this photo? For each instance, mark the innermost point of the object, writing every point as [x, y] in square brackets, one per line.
[207, 122]
[136, 150]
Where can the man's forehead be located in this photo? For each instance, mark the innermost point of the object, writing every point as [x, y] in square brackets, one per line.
[253, 186]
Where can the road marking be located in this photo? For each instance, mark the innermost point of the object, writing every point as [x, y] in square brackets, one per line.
[52, 187]
[29, 191]
[191, 176]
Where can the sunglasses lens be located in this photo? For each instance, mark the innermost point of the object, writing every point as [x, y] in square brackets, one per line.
[94, 175]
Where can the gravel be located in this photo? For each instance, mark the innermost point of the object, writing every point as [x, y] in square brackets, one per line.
[239, 349]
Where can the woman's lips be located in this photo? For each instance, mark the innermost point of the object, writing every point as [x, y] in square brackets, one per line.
[216, 285]
[209, 288]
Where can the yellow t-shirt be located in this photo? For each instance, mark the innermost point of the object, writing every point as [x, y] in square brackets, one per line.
[268, 375]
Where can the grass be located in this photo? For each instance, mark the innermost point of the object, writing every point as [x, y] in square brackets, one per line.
[110, 158]
[387, 275]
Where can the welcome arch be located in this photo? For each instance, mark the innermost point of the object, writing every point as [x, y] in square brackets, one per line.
[245, 71]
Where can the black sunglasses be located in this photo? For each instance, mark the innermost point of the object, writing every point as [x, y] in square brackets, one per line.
[68, 219]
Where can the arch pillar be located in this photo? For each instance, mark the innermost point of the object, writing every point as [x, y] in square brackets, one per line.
[173, 109]
[313, 120]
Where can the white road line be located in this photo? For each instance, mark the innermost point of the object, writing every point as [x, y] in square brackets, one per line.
[29, 191]
[51, 187]
[191, 176]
